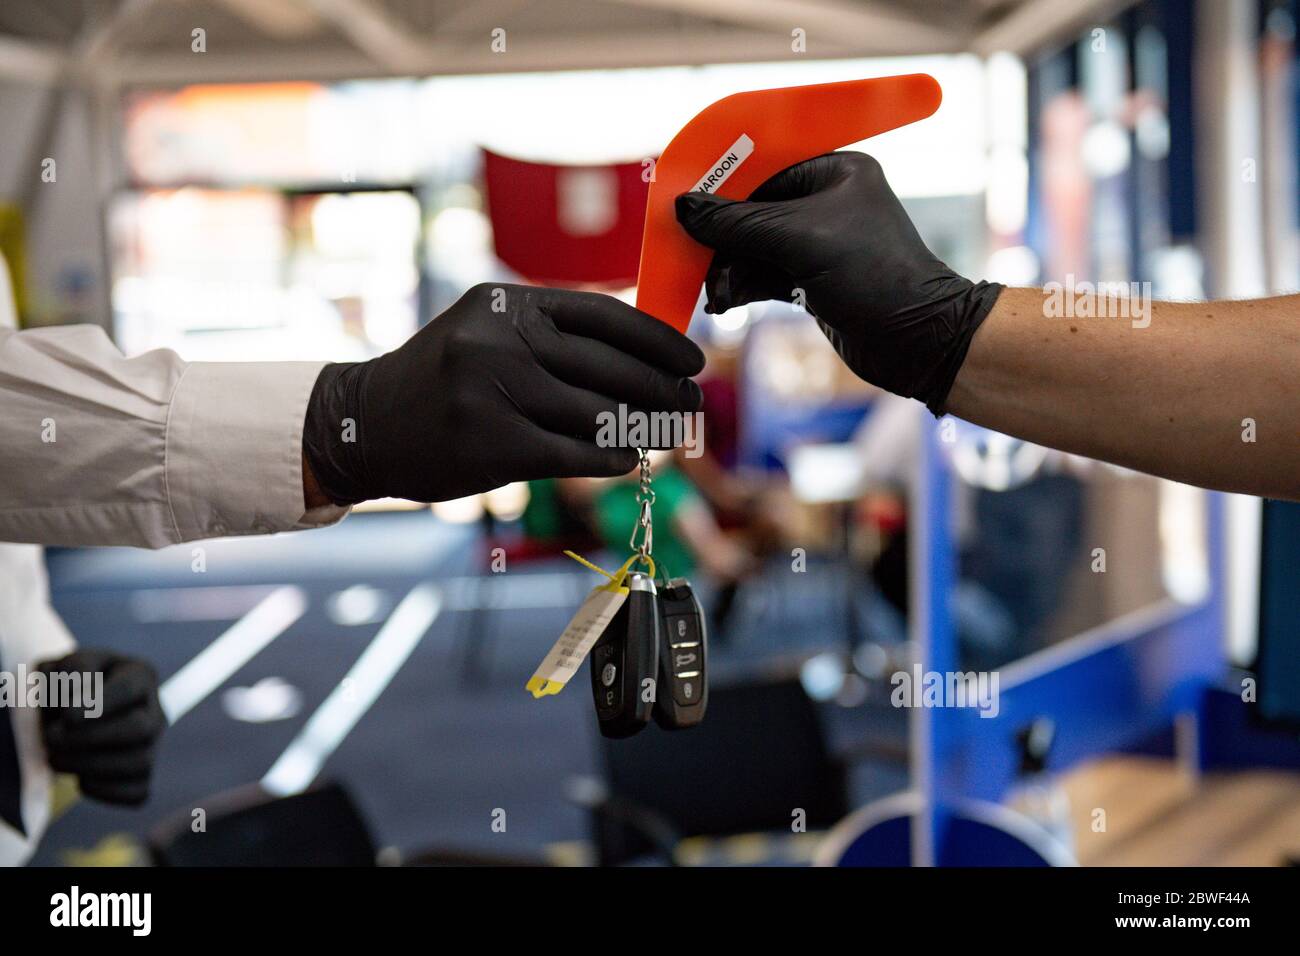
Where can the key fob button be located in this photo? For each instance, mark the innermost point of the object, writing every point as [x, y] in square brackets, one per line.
[683, 629]
[606, 662]
[686, 690]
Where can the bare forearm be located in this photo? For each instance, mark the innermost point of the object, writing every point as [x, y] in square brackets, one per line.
[1203, 393]
[312, 495]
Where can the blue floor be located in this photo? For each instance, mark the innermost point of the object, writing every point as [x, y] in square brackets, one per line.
[448, 740]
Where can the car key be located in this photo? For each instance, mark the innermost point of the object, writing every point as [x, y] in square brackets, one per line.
[625, 662]
[683, 689]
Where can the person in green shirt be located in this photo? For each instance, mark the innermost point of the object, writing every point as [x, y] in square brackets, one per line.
[687, 539]
[676, 502]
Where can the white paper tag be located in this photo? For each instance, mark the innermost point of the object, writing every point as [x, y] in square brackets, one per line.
[725, 165]
[566, 656]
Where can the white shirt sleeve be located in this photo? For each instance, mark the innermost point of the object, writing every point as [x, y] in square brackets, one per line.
[100, 449]
[31, 632]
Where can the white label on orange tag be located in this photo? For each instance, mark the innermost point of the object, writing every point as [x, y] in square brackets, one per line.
[566, 656]
[725, 165]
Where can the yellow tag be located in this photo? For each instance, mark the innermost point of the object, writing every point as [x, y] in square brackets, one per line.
[582, 632]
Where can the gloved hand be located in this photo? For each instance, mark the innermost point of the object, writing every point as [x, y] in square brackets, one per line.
[112, 754]
[833, 228]
[504, 386]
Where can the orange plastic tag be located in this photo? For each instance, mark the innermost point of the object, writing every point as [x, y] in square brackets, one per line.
[733, 146]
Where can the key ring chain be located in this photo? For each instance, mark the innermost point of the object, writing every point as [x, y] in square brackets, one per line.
[645, 499]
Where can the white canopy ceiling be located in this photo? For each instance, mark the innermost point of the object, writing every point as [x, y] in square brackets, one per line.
[130, 42]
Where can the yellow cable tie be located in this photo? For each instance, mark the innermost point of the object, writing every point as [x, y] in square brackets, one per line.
[587, 564]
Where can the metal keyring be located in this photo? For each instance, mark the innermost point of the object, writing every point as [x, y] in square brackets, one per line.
[645, 498]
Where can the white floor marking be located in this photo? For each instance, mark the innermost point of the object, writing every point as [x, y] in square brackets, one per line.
[378, 664]
[215, 664]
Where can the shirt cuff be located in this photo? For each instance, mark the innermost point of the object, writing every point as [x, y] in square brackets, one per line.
[234, 450]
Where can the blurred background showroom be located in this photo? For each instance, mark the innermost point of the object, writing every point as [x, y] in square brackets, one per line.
[302, 179]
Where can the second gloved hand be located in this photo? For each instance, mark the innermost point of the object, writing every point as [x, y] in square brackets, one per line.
[833, 228]
[506, 385]
[112, 753]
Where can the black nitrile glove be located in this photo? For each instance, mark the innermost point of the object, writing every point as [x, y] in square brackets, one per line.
[112, 754]
[506, 385]
[833, 228]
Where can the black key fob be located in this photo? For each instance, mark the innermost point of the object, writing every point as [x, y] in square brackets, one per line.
[625, 662]
[683, 691]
